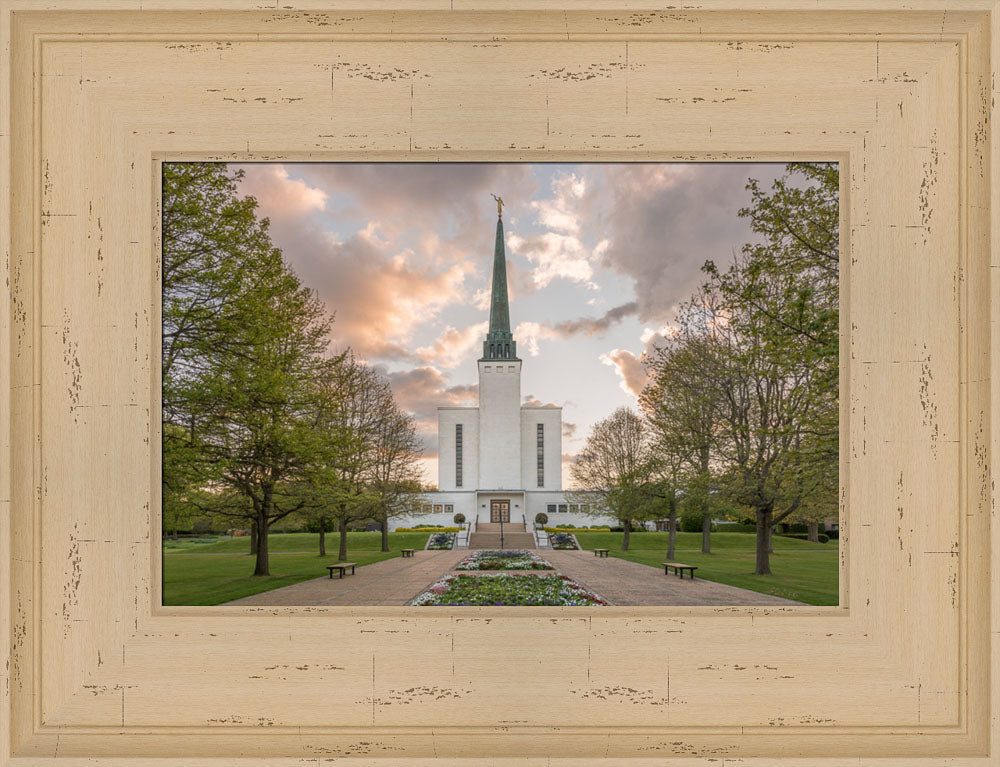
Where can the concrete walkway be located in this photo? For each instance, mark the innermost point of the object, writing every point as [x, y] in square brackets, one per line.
[390, 582]
[620, 582]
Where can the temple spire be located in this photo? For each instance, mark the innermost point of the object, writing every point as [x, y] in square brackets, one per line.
[499, 343]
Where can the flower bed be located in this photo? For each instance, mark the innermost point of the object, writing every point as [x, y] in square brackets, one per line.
[489, 559]
[442, 541]
[562, 541]
[502, 590]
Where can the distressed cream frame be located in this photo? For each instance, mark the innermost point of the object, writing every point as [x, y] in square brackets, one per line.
[100, 91]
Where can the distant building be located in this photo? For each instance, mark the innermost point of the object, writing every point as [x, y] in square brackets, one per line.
[500, 461]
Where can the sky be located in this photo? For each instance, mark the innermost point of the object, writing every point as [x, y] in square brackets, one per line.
[599, 258]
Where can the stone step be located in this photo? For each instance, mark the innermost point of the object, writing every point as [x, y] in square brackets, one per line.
[510, 541]
[494, 527]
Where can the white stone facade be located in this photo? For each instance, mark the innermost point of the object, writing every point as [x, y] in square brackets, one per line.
[499, 456]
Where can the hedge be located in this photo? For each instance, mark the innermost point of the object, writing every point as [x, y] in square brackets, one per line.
[427, 529]
[822, 537]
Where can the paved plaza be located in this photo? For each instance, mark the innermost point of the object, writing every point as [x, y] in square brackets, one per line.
[397, 581]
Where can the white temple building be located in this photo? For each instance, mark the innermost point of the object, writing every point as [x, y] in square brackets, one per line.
[502, 460]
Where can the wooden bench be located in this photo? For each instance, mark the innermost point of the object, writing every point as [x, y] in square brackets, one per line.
[679, 569]
[600, 552]
[342, 567]
[408, 552]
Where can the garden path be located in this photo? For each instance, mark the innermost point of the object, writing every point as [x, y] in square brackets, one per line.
[390, 582]
[622, 582]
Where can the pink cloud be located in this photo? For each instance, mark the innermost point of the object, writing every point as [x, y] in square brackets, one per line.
[453, 346]
[629, 367]
[279, 195]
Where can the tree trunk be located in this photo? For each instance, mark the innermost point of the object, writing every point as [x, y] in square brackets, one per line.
[706, 533]
[763, 541]
[672, 534]
[263, 527]
[385, 534]
[813, 528]
[342, 526]
[322, 536]
[627, 527]
[253, 537]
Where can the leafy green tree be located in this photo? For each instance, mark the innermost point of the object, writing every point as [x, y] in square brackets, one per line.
[682, 404]
[343, 487]
[244, 344]
[774, 315]
[394, 472]
[615, 471]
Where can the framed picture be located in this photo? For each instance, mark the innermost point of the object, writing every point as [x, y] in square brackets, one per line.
[100, 95]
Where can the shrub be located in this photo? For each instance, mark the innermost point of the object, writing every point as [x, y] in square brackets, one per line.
[822, 537]
[834, 534]
[616, 529]
[798, 527]
[201, 526]
[428, 529]
[459, 519]
[736, 528]
[541, 518]
[691, 522]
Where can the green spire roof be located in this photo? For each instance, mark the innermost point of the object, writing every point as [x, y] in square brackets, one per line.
[499, 343]
[499, 307]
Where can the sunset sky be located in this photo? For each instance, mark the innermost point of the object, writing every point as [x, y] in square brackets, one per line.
[599, 258]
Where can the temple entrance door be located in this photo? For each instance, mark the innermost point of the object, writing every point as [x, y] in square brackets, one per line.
[499, 511]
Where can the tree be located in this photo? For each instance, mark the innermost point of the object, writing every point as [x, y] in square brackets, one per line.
[260, 406]
[775, 317]
[211, 239]
[615, 470]
[682, 404]
[244, 343]
[394, 472]
[346, 481]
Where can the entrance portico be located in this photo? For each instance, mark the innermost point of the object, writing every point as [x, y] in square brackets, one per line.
[500, 506]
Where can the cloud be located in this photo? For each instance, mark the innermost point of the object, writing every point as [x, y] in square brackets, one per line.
[629, 367]
[280, 196]
[530, 400]
[559, 252]
[528, 334]
[555, 256]
[453, 346]
[569, 429]
[562, 211]
[407, 195]
[593, 326]
[378, 296]
[662, 222]
[421, 390]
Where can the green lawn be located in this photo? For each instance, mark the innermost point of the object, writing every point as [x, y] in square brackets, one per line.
[804, 571]
[211, 573]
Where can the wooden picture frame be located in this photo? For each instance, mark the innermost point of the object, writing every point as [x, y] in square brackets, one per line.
[97, 93]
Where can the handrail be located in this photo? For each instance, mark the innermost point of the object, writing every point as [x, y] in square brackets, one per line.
[501, 531]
